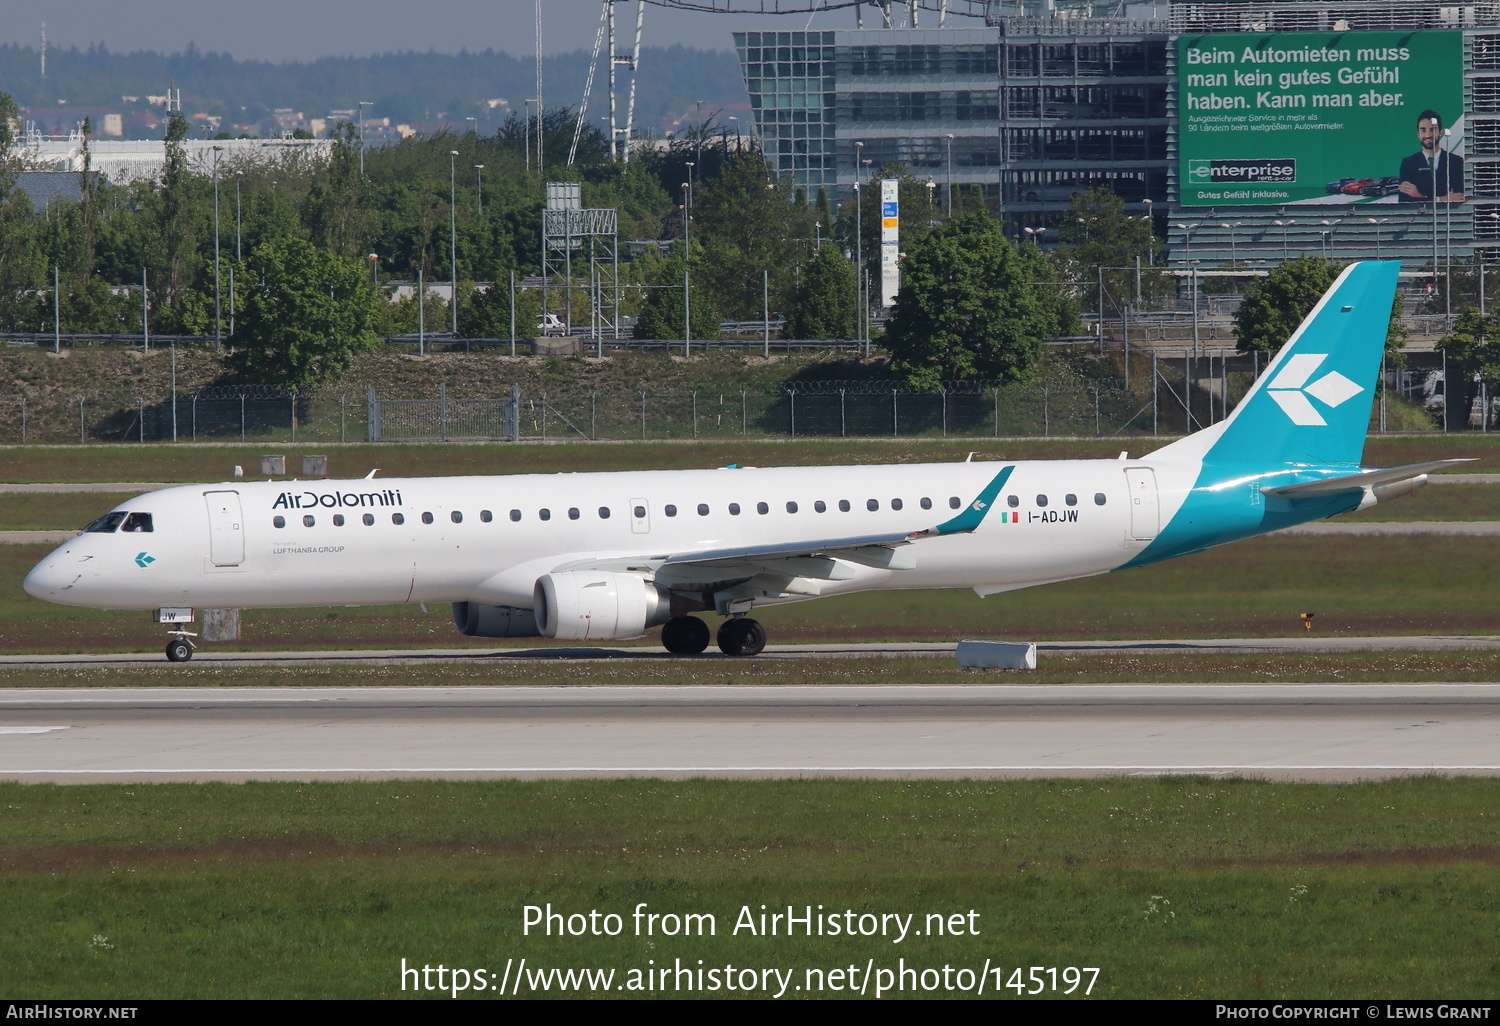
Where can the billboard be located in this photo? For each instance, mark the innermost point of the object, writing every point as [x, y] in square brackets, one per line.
[1319, 118]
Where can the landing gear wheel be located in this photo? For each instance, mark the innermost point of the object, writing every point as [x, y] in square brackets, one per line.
[179, 650]
[742, 637]
[685, 635]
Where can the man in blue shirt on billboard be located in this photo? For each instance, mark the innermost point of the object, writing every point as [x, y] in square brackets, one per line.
[1419, 169]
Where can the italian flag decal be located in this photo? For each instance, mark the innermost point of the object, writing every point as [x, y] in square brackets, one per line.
[1010, 518]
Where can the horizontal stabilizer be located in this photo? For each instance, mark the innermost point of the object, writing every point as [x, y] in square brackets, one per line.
[1359, 482]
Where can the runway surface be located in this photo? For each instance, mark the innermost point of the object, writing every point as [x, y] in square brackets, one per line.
[1286, 731]
[1303, 643]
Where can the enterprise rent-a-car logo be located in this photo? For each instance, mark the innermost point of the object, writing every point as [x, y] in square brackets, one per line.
[1220, 172]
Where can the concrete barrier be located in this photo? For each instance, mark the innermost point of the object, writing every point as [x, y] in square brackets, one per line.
[997, 655]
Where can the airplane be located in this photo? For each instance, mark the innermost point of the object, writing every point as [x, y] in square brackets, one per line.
[608, 556]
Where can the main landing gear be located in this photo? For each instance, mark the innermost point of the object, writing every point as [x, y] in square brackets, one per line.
[688, 635]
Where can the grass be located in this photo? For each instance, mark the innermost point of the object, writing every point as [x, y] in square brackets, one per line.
[1422, 584]
[215, 462]
[1173, 887]
[1089, 668]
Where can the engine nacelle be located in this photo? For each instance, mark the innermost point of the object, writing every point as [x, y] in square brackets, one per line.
[478, 620]
[586, 605]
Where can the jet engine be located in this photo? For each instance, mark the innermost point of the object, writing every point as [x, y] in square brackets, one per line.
[478, 620]
[583, 605]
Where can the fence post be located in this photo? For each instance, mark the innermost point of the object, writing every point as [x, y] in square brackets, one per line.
[341, 418]
[594, 414]
[23, 420]
[544, 416]
[1096, 413]
[794, 413]
[294, 416]
[944, 400]
[1154, 389]
[997, 413]
[643, 416]
[1046, 411]
[843, 420]
[195, 416]
[80, 420]
[513, 414]
[443, 410]
[695, 413]
[242, 416]
[140, 418]
[744, 414]
[895, 421]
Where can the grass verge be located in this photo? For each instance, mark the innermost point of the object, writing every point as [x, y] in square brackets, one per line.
[1172, 887]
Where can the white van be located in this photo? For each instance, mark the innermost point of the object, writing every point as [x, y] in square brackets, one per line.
[551, 326]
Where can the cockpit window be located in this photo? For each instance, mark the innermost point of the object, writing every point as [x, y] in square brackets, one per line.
[106, 524]
[139, 523]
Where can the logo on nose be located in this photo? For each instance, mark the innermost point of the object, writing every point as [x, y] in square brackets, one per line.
[141, 559]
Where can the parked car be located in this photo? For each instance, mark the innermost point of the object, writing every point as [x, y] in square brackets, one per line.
[552, 326]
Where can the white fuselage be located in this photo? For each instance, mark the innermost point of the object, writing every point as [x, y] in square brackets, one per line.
[489, 539]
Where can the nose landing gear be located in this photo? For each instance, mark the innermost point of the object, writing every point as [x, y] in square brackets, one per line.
[180, 649]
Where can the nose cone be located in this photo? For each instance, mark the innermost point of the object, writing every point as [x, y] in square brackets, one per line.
[50, 579]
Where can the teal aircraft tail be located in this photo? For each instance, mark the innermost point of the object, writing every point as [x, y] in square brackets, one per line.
[1312, 403]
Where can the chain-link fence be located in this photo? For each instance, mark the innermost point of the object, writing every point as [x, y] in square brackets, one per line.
[1168, 393]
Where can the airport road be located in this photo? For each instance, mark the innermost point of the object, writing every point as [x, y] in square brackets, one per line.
[1282, 731]
[1296, 643]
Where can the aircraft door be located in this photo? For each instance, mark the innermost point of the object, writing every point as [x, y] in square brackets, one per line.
[640, 516]
[226, 533]
[1145, 520]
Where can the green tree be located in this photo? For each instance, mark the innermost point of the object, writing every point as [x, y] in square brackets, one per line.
[487, 314]
[1275, 305]
[305, 316]
[1473, 349]
[662, 313]
[1100, 240]
[823, 304]
[968, 307]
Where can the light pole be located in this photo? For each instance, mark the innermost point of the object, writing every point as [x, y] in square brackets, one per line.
[218, 323]
[1377, 225]
[1283, 225]
[453, 238]
[858, 258]
[1188, 246]
[239, 176]
[473, 126]
[479, 174]
[1233, 256]
[736, 133]
[374, 259]
[949, 140]
[362, 105]
[1331, 225]
[1034, 235]
[687, 264]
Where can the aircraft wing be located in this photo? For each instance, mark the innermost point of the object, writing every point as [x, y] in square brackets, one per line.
[1365, 479]
[812, 558]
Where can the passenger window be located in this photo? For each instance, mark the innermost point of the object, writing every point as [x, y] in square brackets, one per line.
[762, 508]
[456, 517]
[1012, 501]
[953, 502]
[603, 512]
[544, 514]
[308, 520]
[896, 504]
[515, 515]
[369, 519]
[669, 509]
[485, 516]
[843, 505]
[1041, 500]
[703, 509]
[105, 524]
[872, 505]
[820, 506]
[791, 507]
[734, 509]
[926, 503]
[1098, 498]
[338, 520]
[1070, 499]
[640, 512]
[278, 521]
[426, 518]
[138, 523]
[573, 513]
[398, 519]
